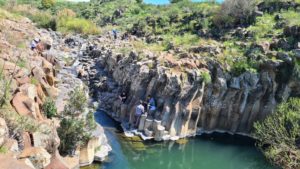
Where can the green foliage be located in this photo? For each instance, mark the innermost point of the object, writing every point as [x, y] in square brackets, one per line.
[242, 65]
[49, 108]
[206, 77]
[77, 102]
[18, 124]
[278, 133]
[90, 121]
[234, 12]
[34, 81]
[264, 27]
[44, 20]
[291, 17]
[48, 3]
[3, 150]
[4, 92]
[72, 134]
[21, 63]
[75, 130]
[76, 25]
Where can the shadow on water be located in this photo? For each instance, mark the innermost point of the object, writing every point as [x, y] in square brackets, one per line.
[208, 151]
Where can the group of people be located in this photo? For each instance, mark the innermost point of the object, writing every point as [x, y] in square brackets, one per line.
[144, 107]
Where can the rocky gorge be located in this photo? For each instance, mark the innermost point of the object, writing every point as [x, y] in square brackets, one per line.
[204, 78]
[186, 103]
[28, 77]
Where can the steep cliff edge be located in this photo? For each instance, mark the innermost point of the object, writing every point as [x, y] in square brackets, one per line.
[187, 100]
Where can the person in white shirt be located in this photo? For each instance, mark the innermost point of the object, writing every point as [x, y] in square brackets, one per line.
[139, 110]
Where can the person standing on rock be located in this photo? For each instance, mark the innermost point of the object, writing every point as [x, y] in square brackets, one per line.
[123, 97]
[115, 33]
[139, 110]
[151, 106]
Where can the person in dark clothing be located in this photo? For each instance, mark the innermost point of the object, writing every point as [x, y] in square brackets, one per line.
[123, 97]
[115, 33]
[151, 106]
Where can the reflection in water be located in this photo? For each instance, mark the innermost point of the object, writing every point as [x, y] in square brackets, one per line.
[219, 151]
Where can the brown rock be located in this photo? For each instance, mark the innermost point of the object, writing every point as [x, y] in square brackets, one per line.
[23, 105]
[3, 131]
[8, 162]
[39, 157]
[26, 140]
[57, 162]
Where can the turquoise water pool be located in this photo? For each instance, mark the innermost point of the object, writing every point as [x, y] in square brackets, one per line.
[217, 151]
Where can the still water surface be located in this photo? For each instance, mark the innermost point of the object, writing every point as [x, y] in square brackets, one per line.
[204, 152]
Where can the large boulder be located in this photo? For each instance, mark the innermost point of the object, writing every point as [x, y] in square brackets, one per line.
[8, 162]
[26, 106]
[57, 162]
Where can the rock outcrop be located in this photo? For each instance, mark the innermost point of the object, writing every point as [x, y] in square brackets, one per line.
[27, 77]
[186, 104]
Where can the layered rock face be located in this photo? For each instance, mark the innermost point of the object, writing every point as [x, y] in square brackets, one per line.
[185, 103]
[28, 139]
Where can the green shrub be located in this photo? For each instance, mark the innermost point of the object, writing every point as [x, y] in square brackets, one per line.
[206, 77]
[241, 65]
[234, 12]
[264, 26]
[71, 133]
[3, 149]
[77, 25]
[77, 102]
[44, 20]
[49, 108]
[48, 3]
[75, 130]
[34, 81]
[278, 134]
[90, 121]
[21, 63]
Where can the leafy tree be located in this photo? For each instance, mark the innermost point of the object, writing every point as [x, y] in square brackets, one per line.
[279, 135]
[74, 128]
[77, 102]
[48, 3]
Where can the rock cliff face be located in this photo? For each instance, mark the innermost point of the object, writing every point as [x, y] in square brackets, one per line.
[185, 103]
[28, 138]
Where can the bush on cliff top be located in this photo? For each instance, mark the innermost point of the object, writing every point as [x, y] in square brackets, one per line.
[279, 135]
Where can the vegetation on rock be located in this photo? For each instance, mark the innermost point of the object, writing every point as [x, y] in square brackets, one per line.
[48, 3]
[49, 108]
[75, 126]
[278, 135]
